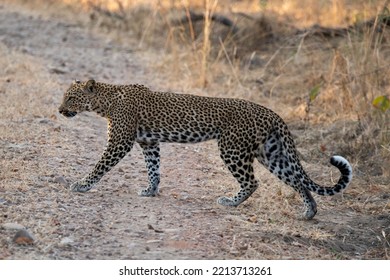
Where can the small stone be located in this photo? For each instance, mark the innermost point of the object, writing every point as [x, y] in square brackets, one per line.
[155, 230]
[252, 219]
[45, 178]
[23, 237]
[153, 241]
[44, 121]
[175, 195]
[58, 71]
[61, 180]
[234, 252]
[66, 241]
[12, 226]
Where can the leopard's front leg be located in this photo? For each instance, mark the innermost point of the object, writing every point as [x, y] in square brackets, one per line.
[111, 156]
[118, 145]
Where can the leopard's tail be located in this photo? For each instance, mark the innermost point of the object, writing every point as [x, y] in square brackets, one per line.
[346, 176]
[279, 155]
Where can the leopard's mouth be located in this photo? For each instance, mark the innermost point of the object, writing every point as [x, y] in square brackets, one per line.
[68, 114]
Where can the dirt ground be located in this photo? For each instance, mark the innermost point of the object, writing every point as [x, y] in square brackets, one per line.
[41, 152]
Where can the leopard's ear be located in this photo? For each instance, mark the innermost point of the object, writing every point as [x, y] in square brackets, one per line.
[90, 86]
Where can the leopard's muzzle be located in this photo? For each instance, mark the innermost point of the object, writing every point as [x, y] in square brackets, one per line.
[66, 113]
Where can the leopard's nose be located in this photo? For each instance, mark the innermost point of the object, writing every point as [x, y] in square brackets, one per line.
[67, 113]
[62, 111]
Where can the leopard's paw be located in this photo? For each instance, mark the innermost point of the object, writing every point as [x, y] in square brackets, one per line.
[80, 186]
[148, 192]
[226, 201]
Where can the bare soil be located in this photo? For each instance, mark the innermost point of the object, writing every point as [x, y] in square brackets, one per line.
[41, 152]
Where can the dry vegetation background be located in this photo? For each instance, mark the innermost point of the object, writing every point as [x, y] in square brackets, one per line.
[322, 65]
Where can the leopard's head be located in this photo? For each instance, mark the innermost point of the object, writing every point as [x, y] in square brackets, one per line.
[78, 98]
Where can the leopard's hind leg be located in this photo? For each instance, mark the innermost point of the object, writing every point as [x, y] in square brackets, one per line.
[240, 163]
[280, 158]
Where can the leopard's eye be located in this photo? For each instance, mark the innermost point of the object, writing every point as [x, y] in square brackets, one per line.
[70, 100]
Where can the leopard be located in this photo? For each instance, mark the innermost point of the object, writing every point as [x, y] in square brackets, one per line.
[244, 131]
